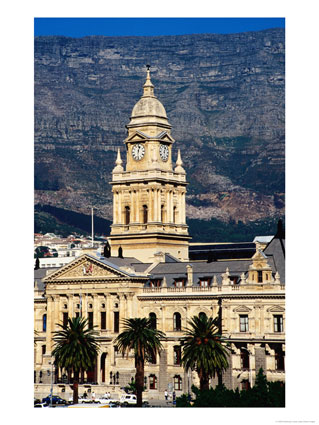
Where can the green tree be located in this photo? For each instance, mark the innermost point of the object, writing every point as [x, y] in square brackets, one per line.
[140, 336]
[204, 349]
[75, 349]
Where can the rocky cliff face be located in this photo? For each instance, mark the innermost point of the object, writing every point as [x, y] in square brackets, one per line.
[224, 97]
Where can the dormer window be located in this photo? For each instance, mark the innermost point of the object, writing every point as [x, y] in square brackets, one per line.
[155, 283]
[204, 282]
[179, 283]
[234, 279]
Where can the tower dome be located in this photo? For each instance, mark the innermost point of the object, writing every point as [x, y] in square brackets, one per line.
[148, 110]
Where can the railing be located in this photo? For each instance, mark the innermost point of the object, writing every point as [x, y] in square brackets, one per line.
[214, 289]
[183, 289]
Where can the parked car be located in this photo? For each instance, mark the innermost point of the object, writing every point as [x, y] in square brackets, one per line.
[55, 400]
[128, 399]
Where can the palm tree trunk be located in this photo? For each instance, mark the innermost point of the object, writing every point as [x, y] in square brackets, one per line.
[139, 382]
[76, 388]
[204, 381]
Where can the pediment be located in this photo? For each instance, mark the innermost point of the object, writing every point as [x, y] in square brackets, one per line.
[86, 267]
[276, 309]
[137, 136]
[242, 309]
[165, 137]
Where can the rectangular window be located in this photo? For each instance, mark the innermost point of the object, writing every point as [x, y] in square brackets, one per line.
[260, 276]
[153, 382]
[116, 321]
[90, 319]
[65, 319]
[43, 349]
[278, 323]
[177, 355]
[243, 323]
[177, 383]
[103, 320]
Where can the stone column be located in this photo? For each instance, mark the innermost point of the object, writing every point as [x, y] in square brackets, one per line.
[150, 206]
[115, 207]
[156, 205]
[138, 206]
[168, 215]
[50, 323]
[96, 309]
[183, 214]
[119, 211]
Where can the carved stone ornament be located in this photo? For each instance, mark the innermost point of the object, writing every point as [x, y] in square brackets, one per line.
[88, 269]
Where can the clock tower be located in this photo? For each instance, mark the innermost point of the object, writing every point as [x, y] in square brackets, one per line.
[149, 194]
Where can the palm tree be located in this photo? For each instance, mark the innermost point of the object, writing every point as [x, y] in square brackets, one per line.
[140, 336]
[204, 349]
[75, 349]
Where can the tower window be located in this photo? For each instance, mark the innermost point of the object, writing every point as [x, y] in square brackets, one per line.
[162, 213]
[174, 215]
[127, 215]
[260, 276]
[145, 214]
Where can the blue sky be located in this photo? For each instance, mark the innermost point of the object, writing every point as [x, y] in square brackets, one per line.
[81, 27]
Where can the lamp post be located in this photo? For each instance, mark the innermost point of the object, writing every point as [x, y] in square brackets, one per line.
[51, 391]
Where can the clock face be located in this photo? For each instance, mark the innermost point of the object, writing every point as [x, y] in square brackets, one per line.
[138, 152]
[163, 150]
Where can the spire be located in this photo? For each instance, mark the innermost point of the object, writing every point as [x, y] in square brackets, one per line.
[118, 162]
[179, 163]
[148, 86]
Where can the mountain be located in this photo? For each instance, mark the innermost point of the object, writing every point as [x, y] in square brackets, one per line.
[224, 97]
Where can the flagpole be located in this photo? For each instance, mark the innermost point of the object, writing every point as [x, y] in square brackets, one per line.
[92, 227]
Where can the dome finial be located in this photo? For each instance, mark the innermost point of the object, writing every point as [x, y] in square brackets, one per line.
[179, 163]
[118, 162]
[148, 86]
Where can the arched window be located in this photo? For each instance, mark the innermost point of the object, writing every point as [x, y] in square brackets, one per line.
[202, 315]
[44, 323]
[152, 317]
[177, 322]
[162, 213]
[145, 214]
[174, 215]
[127, 215]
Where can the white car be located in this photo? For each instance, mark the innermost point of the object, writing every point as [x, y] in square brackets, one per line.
[127, 399]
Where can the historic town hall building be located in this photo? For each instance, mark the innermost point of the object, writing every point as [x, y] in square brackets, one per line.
[154, 271]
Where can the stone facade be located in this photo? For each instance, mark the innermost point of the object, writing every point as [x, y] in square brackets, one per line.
[153, 276]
